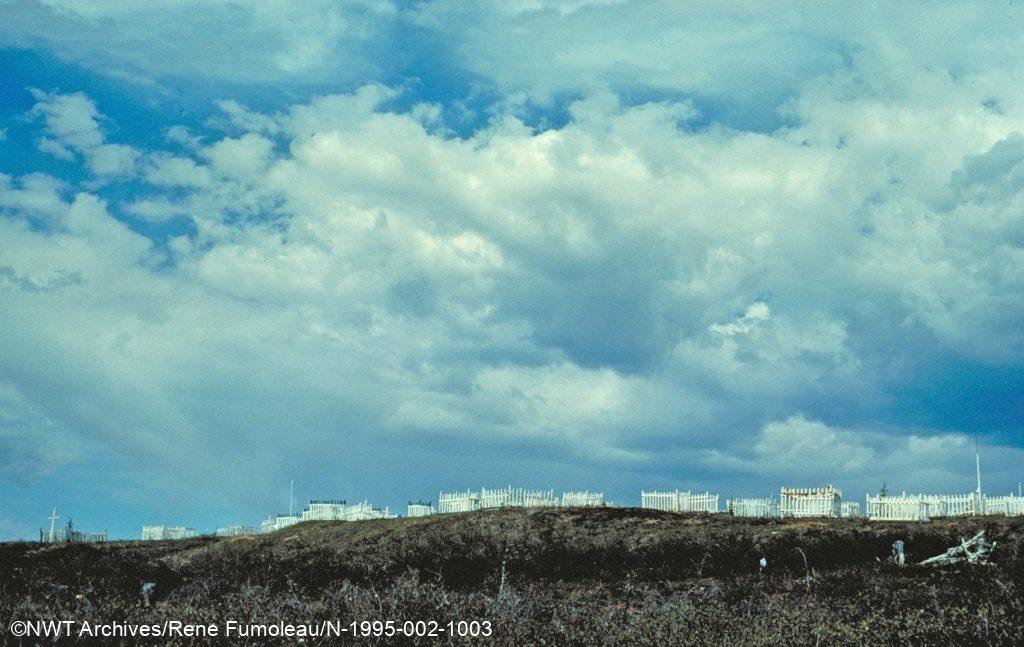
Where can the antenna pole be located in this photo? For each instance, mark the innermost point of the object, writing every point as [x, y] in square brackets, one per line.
[291, 495]
[977, 463]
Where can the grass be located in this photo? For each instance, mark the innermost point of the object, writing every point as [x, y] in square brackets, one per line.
[615, 576]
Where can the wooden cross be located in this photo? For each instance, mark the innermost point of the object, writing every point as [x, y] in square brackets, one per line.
[53, 519]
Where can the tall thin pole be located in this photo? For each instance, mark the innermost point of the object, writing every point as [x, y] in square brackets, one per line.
[291, 496]
[977, 463]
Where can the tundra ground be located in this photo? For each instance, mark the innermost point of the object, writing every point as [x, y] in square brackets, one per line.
[602, 576]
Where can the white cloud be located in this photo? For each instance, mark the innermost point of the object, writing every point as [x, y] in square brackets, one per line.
[805, 447]
[743, 51]
[167, 170]
[35, 195]
[746, 58]
[244, 158]
[154, 210]
[591, 413]
[72, 121]
[622, 289]
[755, 313]
[112, 160]
[182, 135]
[244, 119]
[800, 453]
[71, 118]
[221, 40]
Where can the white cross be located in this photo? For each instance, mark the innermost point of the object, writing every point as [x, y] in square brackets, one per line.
[53, 519]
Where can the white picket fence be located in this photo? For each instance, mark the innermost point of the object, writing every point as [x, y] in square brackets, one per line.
[953, 505]
[1010, 505]
[511, 497]
[810, 502]
[71, 535]
[364, 512]
[752, 507]
[508, 497]
[278, 522]
[897, 508]
[340, 510]
[908, 507]
[419, 509]
[157, 533]
[792, 502]
[677, 501]
[467, 501]
[325, 510]
[235, 530]
[582, 499]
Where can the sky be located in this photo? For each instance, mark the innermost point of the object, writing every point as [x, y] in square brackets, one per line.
[386, 248]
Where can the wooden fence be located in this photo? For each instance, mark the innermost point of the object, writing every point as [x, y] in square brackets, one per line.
[1010, 505]
[458, 501]
[72, 535]
[235, 530]
[810, 502]
[517, 498]
[897, 508]
[679, 501]
[752, 507]
[364, 511]
[420, 509]
[153, 533]
[582, 499]
[325, 510]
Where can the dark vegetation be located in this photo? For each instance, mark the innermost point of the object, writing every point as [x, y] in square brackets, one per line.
[571, 577]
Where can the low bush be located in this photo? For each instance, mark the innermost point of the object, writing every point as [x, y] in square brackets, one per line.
[552, 576]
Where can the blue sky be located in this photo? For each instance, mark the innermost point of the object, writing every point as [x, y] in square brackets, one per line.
[387, 248]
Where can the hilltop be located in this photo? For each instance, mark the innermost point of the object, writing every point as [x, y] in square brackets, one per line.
[553, 576]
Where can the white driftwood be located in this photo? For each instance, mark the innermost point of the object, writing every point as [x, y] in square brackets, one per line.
[973, 551]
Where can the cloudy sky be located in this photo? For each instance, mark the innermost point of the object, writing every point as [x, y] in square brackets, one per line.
[388, 247]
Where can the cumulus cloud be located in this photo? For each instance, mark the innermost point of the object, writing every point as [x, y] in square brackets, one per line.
[800, 453]
[645, 288]
[72, 125]
[243, 158]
